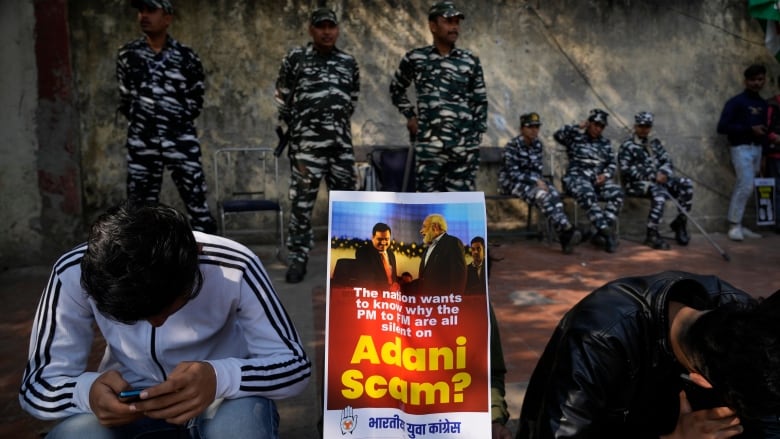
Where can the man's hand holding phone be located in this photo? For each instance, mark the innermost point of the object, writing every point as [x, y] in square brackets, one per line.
[105, 403]
[190, 388]
[130, 395]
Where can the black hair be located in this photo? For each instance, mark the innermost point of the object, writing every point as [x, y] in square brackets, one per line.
[755, 70]
[140, 259]
[380, 227]
[737, 349]
[478, 239]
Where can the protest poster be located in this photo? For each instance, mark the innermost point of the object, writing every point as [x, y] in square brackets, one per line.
[406, 356]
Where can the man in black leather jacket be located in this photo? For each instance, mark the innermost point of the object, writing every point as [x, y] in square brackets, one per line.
[613, 366]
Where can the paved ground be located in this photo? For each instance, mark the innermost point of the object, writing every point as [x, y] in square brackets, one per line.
[531, 287]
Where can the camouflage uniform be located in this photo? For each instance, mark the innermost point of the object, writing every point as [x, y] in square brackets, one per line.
[161, 94]
[518, 176]
[587, 159]
[316, 96]
[451, 115]
[640, 160]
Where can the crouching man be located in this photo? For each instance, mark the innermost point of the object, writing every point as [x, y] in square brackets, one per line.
[672, 355]
[190, 318]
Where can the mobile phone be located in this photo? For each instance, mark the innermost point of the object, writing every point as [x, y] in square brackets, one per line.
[130, 394]
[700, 398]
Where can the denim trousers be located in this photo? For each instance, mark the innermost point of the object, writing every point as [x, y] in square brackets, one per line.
[747, 162]
[251, 417]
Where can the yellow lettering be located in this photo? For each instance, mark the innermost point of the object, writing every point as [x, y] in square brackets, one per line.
[391, 352]
[414, 359]
[429, 390]
[461, 352]
[376, 386]
[365, 350]
[399, 389]
[353, 388]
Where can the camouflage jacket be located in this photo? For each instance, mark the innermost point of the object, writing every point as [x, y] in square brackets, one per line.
[587, 157]
[315, 89]
[522, 166]
[451, 96]
[162, 90]
[641, 159]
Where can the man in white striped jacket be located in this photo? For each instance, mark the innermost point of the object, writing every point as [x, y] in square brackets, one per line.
[191, 319]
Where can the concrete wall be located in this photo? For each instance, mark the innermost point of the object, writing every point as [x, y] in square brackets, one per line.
[20, 200]
[680, 60]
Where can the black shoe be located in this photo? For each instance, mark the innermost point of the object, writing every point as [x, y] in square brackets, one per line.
[597, 239]
[679, 225]
[296, 272]
[654, 240]
[570, 238]
[610, 243]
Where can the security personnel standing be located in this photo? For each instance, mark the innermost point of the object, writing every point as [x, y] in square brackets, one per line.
[589, 175]
[646, 171]
[316, 93]
[521, 176]
[451, 113]
[161, 94]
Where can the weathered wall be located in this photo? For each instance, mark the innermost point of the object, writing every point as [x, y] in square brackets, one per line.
[20, 201]
[680, 60]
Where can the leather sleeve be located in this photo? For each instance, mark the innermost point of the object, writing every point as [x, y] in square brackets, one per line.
[589, 365]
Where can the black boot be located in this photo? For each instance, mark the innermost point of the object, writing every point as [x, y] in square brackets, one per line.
[295, 272]
[569, 238]
[680, 227]
[654, 240]
[610, 243]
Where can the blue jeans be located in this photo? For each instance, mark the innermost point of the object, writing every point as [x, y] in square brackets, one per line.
[747, 162]
[251, 417]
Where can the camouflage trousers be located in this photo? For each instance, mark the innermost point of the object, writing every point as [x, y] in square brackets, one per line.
[307, 169]
[445, 169]
[587, 195]
[146, 159]
[679, 188]
[548, 201]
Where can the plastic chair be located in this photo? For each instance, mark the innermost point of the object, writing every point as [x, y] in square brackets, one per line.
[247, 182]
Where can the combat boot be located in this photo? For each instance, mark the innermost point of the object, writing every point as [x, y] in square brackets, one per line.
[610, 243]
[679, 225]
[295, 272]
[654, 240]
[569, 238]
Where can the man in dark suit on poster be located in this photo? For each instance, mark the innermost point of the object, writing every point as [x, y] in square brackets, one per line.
[375, 264]
[443, 264]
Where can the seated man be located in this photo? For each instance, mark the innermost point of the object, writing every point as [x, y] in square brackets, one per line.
[185, 317]
[521, 176]
[613, 366]
[646, 171]
[589, 175]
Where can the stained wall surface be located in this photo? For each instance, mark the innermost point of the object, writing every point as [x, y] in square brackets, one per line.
[680, 60]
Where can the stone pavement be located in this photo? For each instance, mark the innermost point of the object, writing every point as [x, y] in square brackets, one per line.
[531, 287]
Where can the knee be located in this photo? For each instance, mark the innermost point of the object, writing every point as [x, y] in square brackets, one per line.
[244, 417]
[82, 425]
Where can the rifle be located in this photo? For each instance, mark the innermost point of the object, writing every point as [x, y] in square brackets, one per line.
[284, 137]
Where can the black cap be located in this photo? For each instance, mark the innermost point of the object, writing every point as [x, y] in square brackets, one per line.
[323, 14]
[598, 116]
[644, 118]
[530, 120]
[165, 5]
[446, 9]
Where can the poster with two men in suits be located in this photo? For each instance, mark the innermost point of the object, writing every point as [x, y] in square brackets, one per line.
[406, 340]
